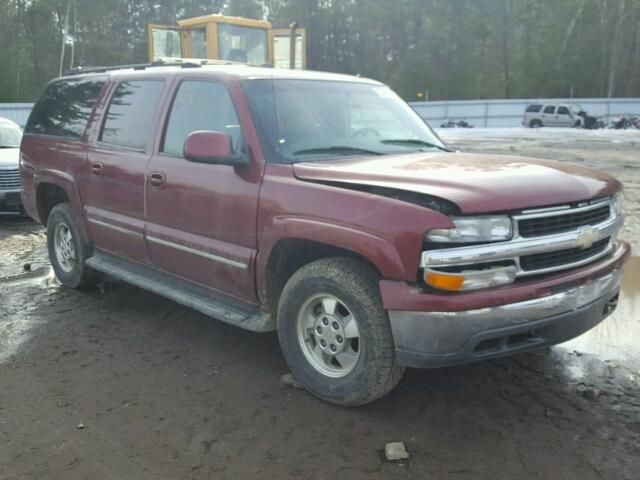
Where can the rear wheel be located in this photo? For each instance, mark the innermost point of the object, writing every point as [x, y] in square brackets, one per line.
[334, 332]
[535, 123]
[67, 250]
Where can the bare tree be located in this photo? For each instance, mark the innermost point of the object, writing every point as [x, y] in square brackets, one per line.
[613, 64]
[570, 29]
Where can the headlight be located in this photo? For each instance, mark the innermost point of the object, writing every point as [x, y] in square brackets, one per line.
[474, 229]
[470, 279]
[617, 205]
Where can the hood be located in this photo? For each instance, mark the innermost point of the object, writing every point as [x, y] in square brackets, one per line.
[9, 157]
[476, 183]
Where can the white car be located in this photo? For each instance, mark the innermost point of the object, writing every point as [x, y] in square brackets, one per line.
[552, 115]
[10, 137]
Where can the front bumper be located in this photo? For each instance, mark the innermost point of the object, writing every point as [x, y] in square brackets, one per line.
[10, 202]
[426, 339]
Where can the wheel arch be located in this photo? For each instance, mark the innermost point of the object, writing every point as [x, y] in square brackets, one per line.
[281, 256]
[53, 188]
[48, 195]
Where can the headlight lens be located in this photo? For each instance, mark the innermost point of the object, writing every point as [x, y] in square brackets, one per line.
[474, 229]
[617, 205]
[470, 279]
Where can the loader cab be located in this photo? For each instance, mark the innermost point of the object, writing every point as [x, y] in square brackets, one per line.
[218, 37]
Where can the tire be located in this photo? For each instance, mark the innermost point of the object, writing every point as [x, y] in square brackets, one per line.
[67, 250]
[535, 123]
[306, 302]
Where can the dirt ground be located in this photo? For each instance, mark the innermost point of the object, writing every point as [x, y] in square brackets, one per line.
[118, 383]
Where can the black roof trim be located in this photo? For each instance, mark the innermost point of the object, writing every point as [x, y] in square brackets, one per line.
[183, 63]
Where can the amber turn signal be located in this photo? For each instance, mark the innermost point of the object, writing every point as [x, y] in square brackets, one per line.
[444, 281]
[471, 279]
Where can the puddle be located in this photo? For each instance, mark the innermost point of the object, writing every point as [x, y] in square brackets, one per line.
[18, 319]
[40, 272]
[614, 342]
[23, 248]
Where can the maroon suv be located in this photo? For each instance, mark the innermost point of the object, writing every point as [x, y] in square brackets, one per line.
[323, 207]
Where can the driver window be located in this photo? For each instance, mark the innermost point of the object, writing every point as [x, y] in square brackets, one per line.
[563, 111]
[200, 105]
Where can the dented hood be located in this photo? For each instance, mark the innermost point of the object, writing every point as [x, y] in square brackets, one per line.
[476, 183]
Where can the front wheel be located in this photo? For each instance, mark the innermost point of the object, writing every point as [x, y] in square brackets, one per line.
[335, 334]
[67, 250]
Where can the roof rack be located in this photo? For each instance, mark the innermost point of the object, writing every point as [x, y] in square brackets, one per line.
[161, 62]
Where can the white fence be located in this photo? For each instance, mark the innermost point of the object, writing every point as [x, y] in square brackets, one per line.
[18, 112]
[508, 113]
[479, 113]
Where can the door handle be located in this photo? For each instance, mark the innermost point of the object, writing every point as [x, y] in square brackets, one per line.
[97, 168]
[157, 180]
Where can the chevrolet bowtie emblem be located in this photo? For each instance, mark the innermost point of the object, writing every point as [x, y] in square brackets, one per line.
[587, 237]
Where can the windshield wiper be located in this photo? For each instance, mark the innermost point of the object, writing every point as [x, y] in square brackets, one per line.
[413, 142]
[336, 149]
[8, 146]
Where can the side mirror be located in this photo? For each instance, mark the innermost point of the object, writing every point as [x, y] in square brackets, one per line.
[212, 147]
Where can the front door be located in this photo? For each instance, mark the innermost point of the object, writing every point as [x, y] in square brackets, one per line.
[117, 161]
[201, 218]
[564, 117]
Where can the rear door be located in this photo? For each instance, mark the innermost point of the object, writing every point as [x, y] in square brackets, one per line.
[117, 161]
[548, 116]
[54, 146]
[202, 217]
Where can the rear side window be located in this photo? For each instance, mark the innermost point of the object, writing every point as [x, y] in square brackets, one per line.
[200, 105]
[129, 120]
[64, 108]
[534, 108]
[549, 109]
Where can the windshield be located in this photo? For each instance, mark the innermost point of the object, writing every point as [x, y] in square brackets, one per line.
[311, 120]
[10, 136]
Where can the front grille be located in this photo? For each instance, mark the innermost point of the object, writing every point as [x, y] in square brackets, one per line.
[544, 241]
[541, 261]
[9, 179]
[537, 227]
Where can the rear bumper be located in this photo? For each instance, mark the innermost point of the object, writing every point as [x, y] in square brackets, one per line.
[436, 337]
[11, 202]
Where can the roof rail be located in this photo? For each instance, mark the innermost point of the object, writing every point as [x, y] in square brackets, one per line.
[161, 62]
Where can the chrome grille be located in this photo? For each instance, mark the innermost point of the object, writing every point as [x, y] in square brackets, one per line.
[544, 241]
[9, 179]
[565, 222]
[543, 261]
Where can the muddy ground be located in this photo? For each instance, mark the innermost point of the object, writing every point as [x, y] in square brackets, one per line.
[118, 383]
